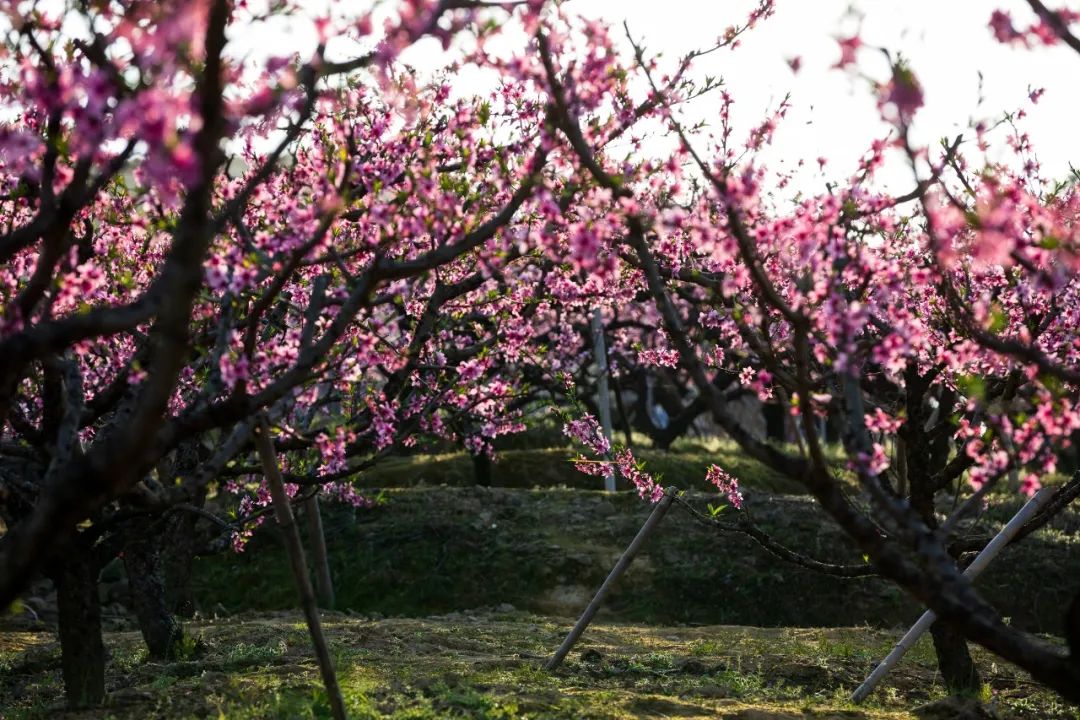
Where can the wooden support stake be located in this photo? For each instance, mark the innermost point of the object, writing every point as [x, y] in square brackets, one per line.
[616, 572]
[991, 551]
[324, 583]
[284, 514]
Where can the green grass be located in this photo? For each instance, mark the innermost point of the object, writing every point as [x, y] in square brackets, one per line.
[489, 667]
[684, 466]
[442, 549]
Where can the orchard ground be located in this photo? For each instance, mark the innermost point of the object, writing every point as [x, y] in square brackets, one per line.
[454, 595]
[487, 665]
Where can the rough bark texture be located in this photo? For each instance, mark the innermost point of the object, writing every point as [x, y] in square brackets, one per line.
[922, 460]
[957, 668]
[180, 540]
[146, 578]
[79, 617]
[177, 556]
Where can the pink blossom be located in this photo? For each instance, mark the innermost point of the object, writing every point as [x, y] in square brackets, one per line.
[725, 483]
[848, 47]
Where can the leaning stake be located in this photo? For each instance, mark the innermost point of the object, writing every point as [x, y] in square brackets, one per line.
[616, 572]
[984, 558]
[284, 514]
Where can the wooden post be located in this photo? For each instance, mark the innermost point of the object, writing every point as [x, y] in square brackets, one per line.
[324, 583]
[603, 399]
[284, 514]
[991, 551]
[616, 572]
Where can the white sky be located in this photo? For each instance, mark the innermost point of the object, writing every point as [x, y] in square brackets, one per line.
[833, 114]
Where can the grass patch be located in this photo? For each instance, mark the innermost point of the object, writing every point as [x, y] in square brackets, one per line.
[490, 667]
[438, 550]
[683, 466]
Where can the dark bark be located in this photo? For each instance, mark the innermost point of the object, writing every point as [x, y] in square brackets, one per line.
[958, 670]
[680, 423]
[122, 452]
[79, 618]
[179, 539]
[324, 582]
[683, 420]
[177, 556]
[481, 463]
[1072, 630]
[620, 407]
[775, 422]
[922, 460]
[146, 580]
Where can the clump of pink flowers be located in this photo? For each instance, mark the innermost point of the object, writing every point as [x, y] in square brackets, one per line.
[587, 431]
[726, 483]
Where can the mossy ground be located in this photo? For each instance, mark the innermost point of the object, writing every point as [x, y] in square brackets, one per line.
[684, 466]
[488, 665]
[702, 625]
[438, 549]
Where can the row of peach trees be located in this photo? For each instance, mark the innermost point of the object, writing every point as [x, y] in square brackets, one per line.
[366, 257]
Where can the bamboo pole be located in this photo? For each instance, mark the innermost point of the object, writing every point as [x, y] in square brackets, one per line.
[324, 583]
[616, 572]
[284, 514]
[991, 551]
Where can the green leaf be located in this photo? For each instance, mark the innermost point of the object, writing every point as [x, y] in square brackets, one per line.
[972, 386]
[998, 320]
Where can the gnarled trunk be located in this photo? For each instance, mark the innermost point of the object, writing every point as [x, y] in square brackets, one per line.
[79, 611]
[958, 670]
[177, 556]
[146, 580]
[922, 459]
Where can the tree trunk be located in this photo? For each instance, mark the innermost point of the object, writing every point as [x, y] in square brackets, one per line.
[146, 580]
[179, 539]
[481, 463]
[921, 462]
[79, 616]
[958, 670]
[177, 556]
[775, 421]
[624, 419]
[324, 582]
[1072, 629]
[901, 468]
[953, 656]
